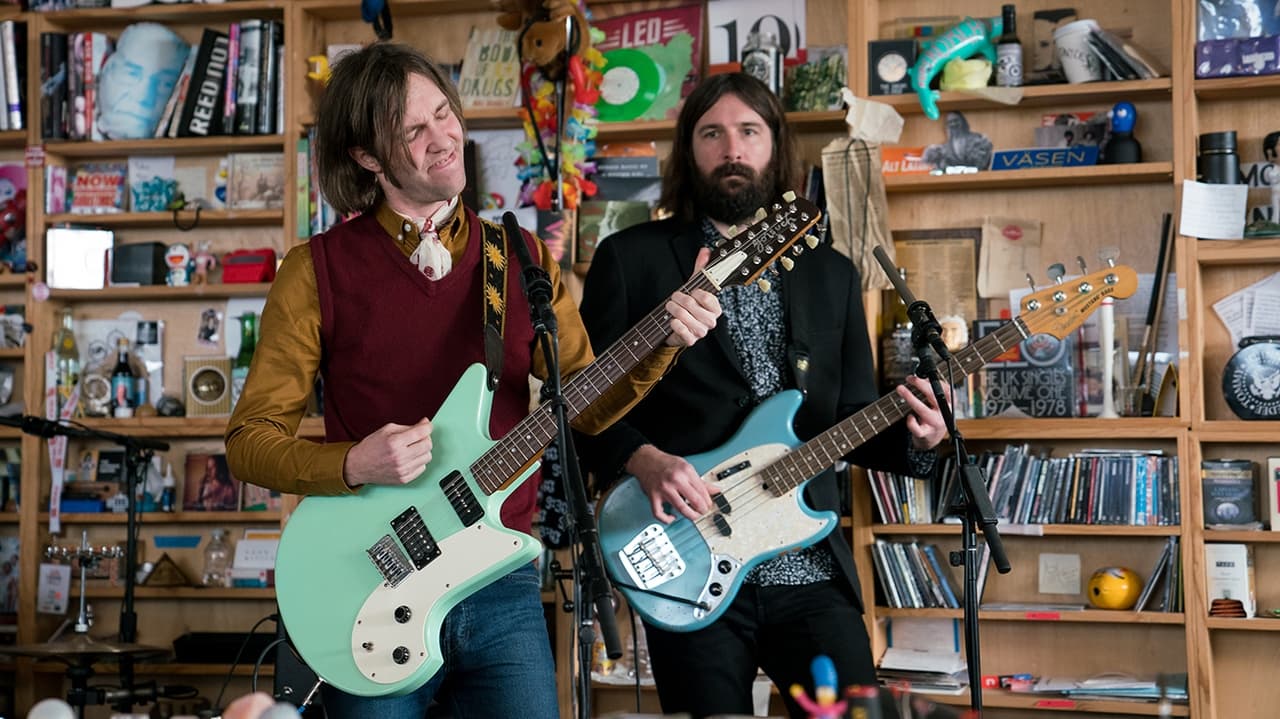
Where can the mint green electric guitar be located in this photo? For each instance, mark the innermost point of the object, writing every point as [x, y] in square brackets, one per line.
[364, 581]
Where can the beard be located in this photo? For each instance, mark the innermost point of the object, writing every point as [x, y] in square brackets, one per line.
[732, 192]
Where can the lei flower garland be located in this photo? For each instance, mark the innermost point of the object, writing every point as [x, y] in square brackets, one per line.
[576, 144]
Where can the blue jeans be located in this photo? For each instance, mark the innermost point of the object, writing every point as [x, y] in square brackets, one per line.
[497, 661]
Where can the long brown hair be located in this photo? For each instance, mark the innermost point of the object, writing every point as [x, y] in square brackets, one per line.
[681, 171]
[363, 106]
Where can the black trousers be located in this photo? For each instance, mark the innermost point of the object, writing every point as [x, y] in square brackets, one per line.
[778, 629]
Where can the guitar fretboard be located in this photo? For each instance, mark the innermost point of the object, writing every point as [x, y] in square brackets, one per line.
[822, 451]
[756, 247]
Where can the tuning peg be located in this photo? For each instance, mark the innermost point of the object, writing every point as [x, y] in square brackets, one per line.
[788, 264]
[789, 195]
[760, 214]
[811, 241]
[765, 285]
[1031, 281]
[1109, 255]
[1057, 271]
[1084, 269]
[734, 230]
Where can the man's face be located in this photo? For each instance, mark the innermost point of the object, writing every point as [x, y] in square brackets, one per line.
[434, 136]
[733, 152]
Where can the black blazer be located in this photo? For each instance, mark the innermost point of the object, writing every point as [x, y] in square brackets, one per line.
[705, 397]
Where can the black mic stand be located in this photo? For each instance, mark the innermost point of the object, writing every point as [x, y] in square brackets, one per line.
[926, 335]
[137, 455]
[592, 593]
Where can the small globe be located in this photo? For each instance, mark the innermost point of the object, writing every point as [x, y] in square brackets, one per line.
[1114, 588]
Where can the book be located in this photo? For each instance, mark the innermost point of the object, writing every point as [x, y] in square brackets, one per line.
[248, 66]
[1272, 512]
[652, 62]
[152, 183]
[53, 85]
[270, 40]
[97, 188]
[208, 485]
[201, 114]
[490, 73]
[1157, 571]
[1033, 379]
[255, 181]
[597, 219]
[1229, 574]
[1230, 495]
[254, 498]
[13, 54]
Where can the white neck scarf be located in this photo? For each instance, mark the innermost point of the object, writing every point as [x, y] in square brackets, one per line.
[431, 256]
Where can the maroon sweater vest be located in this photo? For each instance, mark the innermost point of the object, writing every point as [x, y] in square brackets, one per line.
[395, 343]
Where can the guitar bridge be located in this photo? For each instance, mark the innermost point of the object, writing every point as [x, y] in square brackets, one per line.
[392, 563]
[650, 558]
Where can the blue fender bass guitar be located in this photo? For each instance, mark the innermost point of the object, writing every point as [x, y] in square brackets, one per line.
[364, 581]
[682, 576]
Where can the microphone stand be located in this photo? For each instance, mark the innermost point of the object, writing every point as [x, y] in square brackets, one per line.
[592, 593]
[978, 514]
[137, 455]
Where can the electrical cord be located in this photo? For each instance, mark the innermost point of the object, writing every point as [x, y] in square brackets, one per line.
[257, 666]
[217, 703]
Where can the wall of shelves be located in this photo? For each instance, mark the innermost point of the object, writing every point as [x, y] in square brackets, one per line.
[1227, 660]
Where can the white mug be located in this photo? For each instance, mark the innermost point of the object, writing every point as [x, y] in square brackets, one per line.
[1071, 44]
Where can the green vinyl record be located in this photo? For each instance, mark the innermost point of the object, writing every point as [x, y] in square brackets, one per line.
[631, 82]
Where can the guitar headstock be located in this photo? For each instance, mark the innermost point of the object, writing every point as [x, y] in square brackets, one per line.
[1062, 308]
[742, 258]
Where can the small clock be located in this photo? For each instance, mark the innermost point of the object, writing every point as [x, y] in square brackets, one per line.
[1251, 380]
[889, 64]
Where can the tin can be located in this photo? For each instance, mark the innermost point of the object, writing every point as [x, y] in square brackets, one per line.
[762, 59]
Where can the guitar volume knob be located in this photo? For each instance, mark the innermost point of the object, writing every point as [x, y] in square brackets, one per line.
[724, 567]
[400, 655]
[715, 589]
[403, 614]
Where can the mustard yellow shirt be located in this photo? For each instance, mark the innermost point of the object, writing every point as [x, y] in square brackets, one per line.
[261, 446]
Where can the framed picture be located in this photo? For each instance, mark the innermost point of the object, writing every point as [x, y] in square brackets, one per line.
[941, 267]
[209, 486]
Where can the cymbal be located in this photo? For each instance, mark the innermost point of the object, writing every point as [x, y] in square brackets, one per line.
[82, 647]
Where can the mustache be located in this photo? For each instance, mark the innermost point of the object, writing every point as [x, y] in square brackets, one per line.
[733, 168]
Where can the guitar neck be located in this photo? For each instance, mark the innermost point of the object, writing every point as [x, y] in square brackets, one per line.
[532, 434]
[822, 451]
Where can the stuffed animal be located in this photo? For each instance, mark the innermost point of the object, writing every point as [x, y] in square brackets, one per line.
[967, 38]
[543, 38]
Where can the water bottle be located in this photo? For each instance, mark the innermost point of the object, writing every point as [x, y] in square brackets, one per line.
[217, 561]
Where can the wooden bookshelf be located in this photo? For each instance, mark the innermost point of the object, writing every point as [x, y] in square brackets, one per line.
[1143, 172]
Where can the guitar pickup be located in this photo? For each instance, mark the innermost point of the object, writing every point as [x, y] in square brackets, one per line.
[732, 470]
[390, 561]
[413, 534]
[461, 498]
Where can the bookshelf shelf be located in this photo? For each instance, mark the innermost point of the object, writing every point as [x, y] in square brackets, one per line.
[1034, 530]
[13, 279]
[1000, 699]
[164, 293]
[1137, 173]
[98, 18]
[1041, 96]
[1237, 252]
[72, 150]
[8, 517]
[169, 219]
[1077, 428]
[1257, 624]
[1072, 616]
[12, 353]
[1255, 536]
[181, 593]
[1238, 88]
[1238, 431]
[244, 669]
[12, 139]
[181, 427]
[156, 518]
[10, 433]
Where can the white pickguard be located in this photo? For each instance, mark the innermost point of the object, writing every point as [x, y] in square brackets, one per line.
[763, 524]
[463, 556]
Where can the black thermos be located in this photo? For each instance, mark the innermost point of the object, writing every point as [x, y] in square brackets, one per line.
[1218, 163]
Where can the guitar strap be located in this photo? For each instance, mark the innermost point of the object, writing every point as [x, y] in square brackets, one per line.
[494, 297]
[798, 358]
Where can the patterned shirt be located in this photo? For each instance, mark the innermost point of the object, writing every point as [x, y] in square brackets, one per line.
[755, 323]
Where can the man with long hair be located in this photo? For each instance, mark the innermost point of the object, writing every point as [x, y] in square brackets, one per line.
[389, 307]
[732, 154]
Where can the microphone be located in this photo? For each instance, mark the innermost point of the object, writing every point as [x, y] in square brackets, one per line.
[41, 427]
[534, 279]
[917, 310]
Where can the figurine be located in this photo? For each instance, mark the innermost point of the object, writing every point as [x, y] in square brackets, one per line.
[204, 262]
[178, 259]
[968, 38]
[1122, 147]
[823, 705]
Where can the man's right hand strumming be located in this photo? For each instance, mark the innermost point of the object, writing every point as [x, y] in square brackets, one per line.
[395, 454]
